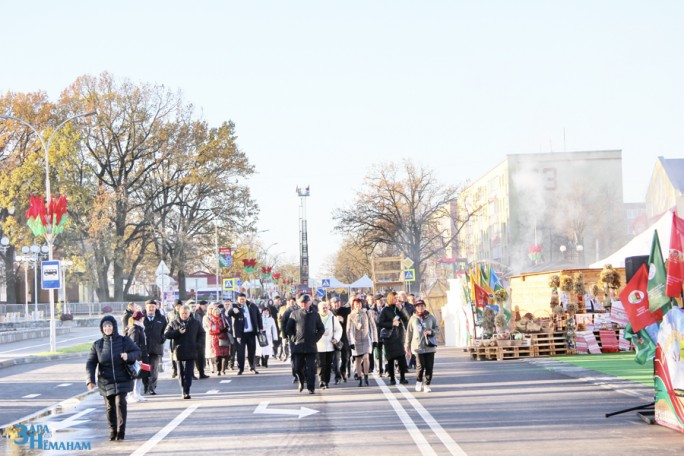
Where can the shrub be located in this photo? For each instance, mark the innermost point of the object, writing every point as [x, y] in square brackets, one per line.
[66, 317]
[107, 309]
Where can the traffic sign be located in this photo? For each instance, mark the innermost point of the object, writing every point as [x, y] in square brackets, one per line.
[162, 268]
[320, 292]
[409, 275]
[51, 275]
[408, 262]
[228, 284]
[325, 283]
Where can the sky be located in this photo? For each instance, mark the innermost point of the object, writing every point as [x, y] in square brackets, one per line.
[322, 90]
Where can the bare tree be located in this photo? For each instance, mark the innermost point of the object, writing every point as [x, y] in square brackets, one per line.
[402, 207]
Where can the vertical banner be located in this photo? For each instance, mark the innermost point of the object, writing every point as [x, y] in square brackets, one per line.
[225, 257]
[669, 371]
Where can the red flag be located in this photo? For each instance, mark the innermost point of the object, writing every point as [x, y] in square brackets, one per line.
[675, 268]
[481, 296]
[634, 298]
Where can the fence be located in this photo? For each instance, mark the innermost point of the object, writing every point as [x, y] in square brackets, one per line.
[17, 311]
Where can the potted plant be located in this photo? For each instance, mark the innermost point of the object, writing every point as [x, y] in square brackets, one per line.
[66, 319]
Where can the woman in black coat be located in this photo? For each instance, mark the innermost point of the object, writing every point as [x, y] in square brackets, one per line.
[186, 334]
[392, 321]
[136, 331]
[109, 355]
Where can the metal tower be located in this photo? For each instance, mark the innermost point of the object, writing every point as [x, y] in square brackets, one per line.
[303, 241]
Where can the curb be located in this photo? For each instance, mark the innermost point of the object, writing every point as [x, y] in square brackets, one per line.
[39, 359]
[58, 408]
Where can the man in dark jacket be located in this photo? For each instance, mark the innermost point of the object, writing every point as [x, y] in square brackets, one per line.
[108, 357]
[291, 307]
[246, 324]
[155, 325]
[199, 314]
[174, 315]
[186, 333]
[393, 319]
[305, 328]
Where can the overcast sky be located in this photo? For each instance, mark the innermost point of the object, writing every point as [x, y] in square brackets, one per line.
[319, 90]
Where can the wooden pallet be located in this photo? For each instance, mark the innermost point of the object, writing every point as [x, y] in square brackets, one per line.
[549, 344]
[482, 353]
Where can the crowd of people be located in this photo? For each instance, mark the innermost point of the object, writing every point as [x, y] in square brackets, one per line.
[389, 334]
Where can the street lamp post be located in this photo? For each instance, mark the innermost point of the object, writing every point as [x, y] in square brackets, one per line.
[49, 237]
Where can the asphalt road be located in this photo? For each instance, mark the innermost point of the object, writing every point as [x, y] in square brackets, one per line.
[476, 408]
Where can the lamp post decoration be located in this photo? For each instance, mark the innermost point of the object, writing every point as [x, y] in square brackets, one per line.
[47, 220]
[53, 206]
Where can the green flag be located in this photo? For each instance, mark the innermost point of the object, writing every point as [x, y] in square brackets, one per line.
[657, 278]
[645, 347]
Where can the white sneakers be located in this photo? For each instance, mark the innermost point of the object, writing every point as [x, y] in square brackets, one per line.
[426, 389]
[419, 386]
[135, 398]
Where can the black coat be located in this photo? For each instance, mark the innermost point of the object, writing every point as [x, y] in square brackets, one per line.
[394, 346]
[304, 329]
[343, 312]
[154, 331]
[185, 345]
[283, 321]
[105, 357]
[137, 335]
[239, 319]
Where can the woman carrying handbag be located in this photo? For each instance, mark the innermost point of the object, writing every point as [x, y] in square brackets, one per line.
[420, 340]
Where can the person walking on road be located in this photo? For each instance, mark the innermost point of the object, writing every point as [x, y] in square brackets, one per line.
[421, 325]
[326, 344]
[125, 319]
[271, 331]
[374, 312]
[136, 331]
[108, 356]
[305, 328]
[186, 333]
[174, 315]
[246, 324]
[362, 336]
[155, 325]
[199, 316]
[341, 357]
[219, 331]
[392, 320]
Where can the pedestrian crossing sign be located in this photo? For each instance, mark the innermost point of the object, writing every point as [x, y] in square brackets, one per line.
[228, 284]
[409, 275]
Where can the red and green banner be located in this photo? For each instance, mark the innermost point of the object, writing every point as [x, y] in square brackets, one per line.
[635, 300]
[669, 371]
[675, 271]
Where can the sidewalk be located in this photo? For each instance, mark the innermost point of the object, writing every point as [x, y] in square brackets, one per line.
[25, 351]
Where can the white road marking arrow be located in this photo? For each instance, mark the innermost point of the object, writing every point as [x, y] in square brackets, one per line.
[302, 412]
[212, 391]
[226, 381]
[73, 420]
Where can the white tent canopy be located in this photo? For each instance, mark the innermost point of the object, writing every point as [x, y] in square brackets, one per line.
[334, 283]
[363, 282]
[641, 243]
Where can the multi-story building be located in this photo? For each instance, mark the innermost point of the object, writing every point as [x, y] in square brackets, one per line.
[665, 187]
[545, 208]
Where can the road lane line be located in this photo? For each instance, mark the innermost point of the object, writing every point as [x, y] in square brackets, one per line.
[417, 436]
[30, 396]
[62, 385]
[453, 447]
[156, 438]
